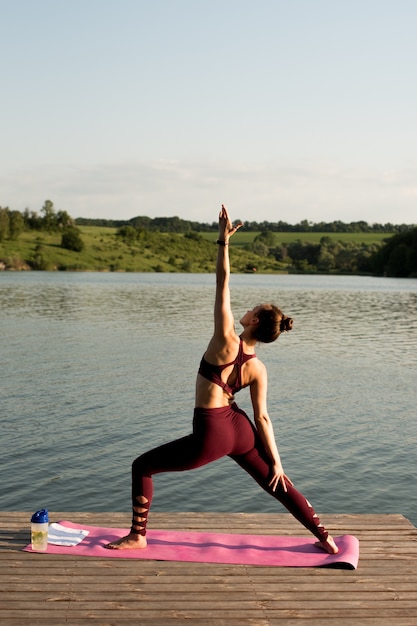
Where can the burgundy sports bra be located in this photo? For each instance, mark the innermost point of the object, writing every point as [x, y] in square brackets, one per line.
[213, 372]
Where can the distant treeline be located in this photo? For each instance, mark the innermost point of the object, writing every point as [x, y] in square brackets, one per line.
[395, 256]
[178, 225]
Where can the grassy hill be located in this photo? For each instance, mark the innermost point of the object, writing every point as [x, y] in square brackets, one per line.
[151, 252]
[105, 251]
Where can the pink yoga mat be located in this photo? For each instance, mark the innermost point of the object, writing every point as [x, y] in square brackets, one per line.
[175, 545]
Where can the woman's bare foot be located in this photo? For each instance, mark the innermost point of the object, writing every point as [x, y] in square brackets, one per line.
[130, 542]
[328, 545]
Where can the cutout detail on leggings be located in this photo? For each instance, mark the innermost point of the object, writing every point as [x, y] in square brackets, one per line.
[140, 516]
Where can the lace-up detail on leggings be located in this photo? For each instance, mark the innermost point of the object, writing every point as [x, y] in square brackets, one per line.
[140, 516]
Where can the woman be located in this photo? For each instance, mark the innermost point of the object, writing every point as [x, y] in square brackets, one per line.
[219, 427]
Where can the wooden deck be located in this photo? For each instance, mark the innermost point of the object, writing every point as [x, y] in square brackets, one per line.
[56, 590]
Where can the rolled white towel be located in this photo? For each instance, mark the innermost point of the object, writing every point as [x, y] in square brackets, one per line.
[63, 536]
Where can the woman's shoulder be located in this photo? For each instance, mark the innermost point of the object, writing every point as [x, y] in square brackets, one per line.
[223, 349]
[257, 368]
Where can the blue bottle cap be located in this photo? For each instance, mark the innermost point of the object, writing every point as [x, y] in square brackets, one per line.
[40, 517]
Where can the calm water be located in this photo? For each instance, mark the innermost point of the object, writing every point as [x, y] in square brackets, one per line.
[97, 368]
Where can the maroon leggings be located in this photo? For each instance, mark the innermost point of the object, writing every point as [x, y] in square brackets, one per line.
[216, 433]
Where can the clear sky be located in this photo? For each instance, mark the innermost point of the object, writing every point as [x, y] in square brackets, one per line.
[282, 110]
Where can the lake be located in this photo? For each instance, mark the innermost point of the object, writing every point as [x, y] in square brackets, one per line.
[98, 368]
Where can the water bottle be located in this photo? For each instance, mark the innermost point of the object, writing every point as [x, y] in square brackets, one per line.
[39, 530]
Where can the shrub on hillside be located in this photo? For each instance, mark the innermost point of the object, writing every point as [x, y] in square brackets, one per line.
[71, 240]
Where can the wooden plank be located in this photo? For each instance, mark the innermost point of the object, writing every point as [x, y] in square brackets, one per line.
[54, 589]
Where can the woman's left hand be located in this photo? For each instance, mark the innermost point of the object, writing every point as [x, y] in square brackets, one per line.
[226, 228]
[278, 478]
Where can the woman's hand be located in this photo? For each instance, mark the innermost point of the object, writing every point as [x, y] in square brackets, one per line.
[278, 477]
[226, 228]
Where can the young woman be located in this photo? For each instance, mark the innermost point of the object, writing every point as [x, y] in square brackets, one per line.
[220, 428]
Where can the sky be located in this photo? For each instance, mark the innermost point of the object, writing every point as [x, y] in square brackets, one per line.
[281, 110]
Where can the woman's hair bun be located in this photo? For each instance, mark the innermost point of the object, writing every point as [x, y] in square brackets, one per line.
[285, 323]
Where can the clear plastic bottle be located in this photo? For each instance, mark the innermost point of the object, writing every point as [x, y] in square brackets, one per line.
[39, 530]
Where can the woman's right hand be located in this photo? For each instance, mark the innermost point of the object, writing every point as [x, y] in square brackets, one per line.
[278, 477]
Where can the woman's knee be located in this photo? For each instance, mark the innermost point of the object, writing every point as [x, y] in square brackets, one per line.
[139, 465]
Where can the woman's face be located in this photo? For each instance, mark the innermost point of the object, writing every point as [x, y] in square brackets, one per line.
[250, 316]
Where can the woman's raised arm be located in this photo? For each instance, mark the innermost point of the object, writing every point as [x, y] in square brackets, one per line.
[223, 317]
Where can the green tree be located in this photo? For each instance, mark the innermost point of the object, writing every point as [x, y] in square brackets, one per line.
[398, 261]
[32, 220]
[398, 255]
[4, 224]
[16, 224]
[346, 260]
[326, 260]
[303, 253]
[364, 258]
[266, 237]
[38, 262]
[304, 226]
[127, 233]
[71, 240]
[49, 220]
[258, 247]
[64, 220]
[280, 253]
